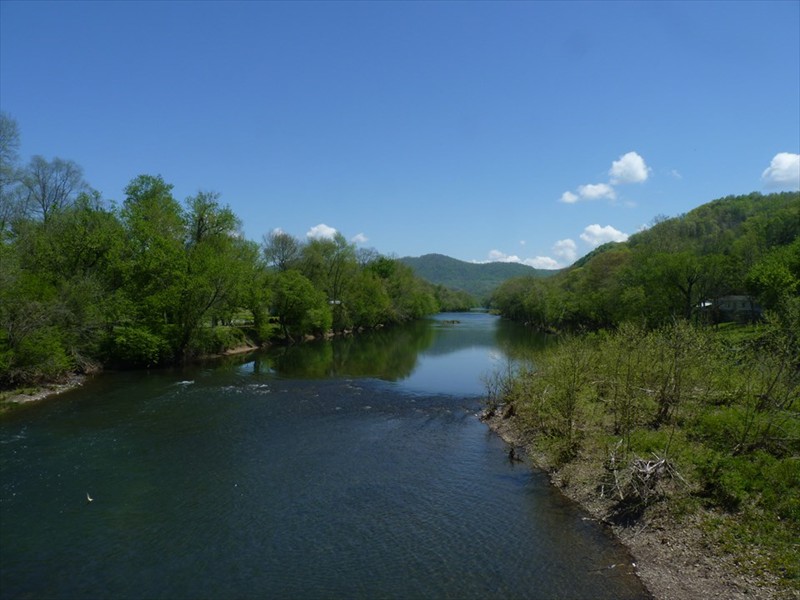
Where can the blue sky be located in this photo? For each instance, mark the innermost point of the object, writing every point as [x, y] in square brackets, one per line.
[527, 131]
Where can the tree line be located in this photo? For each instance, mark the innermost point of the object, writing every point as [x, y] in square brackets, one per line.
[680, 267]
[85, 282]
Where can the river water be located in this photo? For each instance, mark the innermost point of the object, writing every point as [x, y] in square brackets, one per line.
[353, 468]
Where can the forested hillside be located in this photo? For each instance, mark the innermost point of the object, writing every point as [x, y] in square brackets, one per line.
[151, 280]
[479, 280]
[682, 266]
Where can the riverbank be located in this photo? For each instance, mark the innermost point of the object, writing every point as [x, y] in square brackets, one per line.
[674, 556]
[11, 398]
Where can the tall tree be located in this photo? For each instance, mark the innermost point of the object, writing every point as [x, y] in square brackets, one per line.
[331, 265]
[9, 155]
[216, 263]
[50, 186]
[154, 266]
[281, 250]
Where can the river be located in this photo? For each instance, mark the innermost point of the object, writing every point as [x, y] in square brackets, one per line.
[351, 468]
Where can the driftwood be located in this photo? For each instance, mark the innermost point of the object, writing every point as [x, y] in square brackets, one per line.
[639, 480]
[645, 475]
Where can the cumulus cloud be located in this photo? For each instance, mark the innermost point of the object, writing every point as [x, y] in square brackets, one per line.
[783, 171]
[566, 249]
[630, 168]
[543, 262]
[321, 232]
[590, 191]
[359, 238]
[497, 256]
[596, 235]
[569, 198]
[594, 191]
[539, 262]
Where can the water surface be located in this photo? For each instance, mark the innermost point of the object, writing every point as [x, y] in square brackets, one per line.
[348, 469]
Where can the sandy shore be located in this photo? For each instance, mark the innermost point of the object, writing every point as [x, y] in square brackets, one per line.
[674, 560]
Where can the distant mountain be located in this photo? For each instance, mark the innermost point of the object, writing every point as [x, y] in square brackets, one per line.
[478, 279]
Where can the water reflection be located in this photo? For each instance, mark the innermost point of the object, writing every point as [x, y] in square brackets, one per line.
[471, 341]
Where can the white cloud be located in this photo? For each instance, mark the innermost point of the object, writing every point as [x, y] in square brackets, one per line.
[321, 232]
[538, 262]
[566, 249]
[359, 238]
[497, 256]
[596, 235]
[542, 262]
[593, 191]
[568, 198]
[676, 174]
[590, 191]
[783, 171]
[630, 168]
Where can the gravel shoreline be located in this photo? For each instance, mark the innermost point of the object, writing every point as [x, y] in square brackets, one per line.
[675, 560]
[45, 391]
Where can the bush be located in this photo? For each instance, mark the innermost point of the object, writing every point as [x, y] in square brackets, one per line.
[137, 347]
[216, 340]
[41, 356]
[757, 481]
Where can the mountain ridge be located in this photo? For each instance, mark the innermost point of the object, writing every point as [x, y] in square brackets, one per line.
[478, 279]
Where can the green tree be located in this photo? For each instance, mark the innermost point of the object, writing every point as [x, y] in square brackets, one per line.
[216, 262]
[153, 267]
[776, 276]
[368, 304]
[58, 277]
[331, 266]
[300, 307]
[281, 250]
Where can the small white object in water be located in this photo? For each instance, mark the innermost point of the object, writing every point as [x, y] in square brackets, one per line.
[187, 382]
[89, 498]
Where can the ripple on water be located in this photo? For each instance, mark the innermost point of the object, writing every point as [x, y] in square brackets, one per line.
[242, 484]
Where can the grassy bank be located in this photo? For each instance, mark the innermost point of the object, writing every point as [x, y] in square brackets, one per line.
[694, 431]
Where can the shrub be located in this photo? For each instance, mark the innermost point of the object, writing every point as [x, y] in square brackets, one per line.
[136, 346]
[216, 340]
[41, 356]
